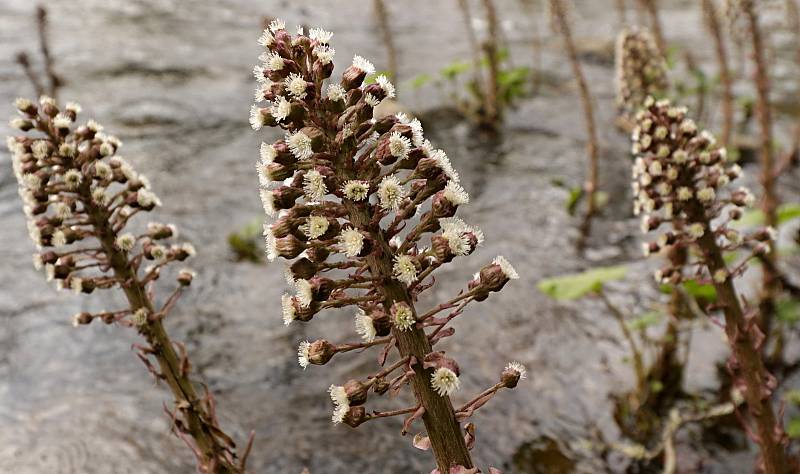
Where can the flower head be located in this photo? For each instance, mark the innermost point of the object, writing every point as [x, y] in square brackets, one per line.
[444, 381]
[390, 193]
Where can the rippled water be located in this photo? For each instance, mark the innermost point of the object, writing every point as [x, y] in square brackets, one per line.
[172, 79]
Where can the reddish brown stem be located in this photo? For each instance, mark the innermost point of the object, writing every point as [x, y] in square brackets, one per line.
[742, 339]
[714, 27]
[590, 187]
[444, 432]
[769, 201]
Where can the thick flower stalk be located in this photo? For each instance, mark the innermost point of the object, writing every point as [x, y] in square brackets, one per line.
[364, 210]
[640, 70]
[79, 198]
[682, 178]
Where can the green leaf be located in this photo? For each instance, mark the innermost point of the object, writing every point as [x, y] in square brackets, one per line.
[792, 396]
[755, 217]
[751, 218]
[454, 69]
[574, 286]
[420, 80]
[793, 428]
[575, 195]
[644, 321]
[788, 212]
[705, 292]
[788, 310]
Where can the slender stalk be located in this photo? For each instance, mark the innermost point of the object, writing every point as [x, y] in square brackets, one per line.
[472, 40]
[382, 15]
[493, 108]
[592, 147]
[712, 21]
[651, 8]
[769, 201]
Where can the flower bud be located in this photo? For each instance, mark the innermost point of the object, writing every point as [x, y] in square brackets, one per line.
[185, 277]
[320, 352]
[289, 247]
[356, 392]
[512, 374]
[303, 268]
[355, 416]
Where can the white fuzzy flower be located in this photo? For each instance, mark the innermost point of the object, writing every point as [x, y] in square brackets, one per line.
[314, 186]
[304, 293]
[351, 242]
[390, 193]
[102, 170]
[371, 100]
[518, 368]
[296, 85]
[355, 190]
[146, 198]
[684, 193]
[272, 61]
[72, 178]
[314, 226]
[444, 381]
[287, 309]
[341, 403]
[302, 353]
[58, 239]
[363, 64]
[324, 54]
[266, 39]
[270, 243]
[62, 121]
[443, 162]
[404, 269]
[277, 25]
[267, 201]
[63, 211]
[417, 136]
[320, 36]
[40, 149]
[364, 326]
[506, 267]
[257, 119]
[268, 153]
[280, 108]
[399, 146]
[31, 181]
[402, 316]
[335, 92]
[696, 230]
[73, 107]
[386, 85]
[300, 145]
[454, 193]
[706, 195]
[125, 241]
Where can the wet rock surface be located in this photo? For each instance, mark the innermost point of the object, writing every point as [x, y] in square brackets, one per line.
[172, 79]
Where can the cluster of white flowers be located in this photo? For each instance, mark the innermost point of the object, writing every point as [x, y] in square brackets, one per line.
[681, 176]
[340, 185]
